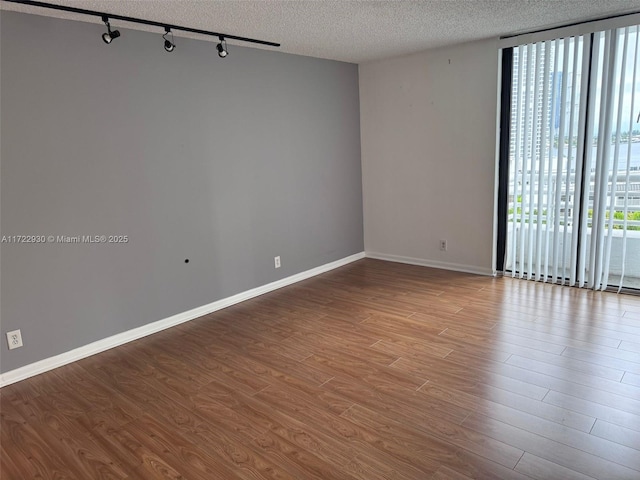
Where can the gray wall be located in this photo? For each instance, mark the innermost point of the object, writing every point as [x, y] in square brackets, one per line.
[226, 162]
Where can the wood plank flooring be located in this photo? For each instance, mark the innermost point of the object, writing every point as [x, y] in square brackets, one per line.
[374, 371]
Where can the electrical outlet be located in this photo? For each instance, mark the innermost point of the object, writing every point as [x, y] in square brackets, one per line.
[443, 245]
[14, 339]
[276, 261]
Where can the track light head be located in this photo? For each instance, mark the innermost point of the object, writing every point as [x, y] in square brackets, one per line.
[110, 34]
[169, 45]
[222, 48]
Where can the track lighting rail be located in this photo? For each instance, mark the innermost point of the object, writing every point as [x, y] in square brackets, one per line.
[142, 21]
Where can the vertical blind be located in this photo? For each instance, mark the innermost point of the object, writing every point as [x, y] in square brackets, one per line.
[573, 178]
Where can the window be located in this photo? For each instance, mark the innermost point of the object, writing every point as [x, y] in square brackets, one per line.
[570, 167]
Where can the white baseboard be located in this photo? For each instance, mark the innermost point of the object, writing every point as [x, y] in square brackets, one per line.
[56, 361]
[431, 263]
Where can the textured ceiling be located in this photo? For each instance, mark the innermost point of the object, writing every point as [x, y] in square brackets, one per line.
[351, 30]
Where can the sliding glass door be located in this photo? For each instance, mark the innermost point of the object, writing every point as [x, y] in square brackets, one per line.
[573, 168]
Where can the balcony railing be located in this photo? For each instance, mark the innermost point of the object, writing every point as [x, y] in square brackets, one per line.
[529, 218]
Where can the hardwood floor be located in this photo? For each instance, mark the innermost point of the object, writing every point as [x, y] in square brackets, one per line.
[374, 371]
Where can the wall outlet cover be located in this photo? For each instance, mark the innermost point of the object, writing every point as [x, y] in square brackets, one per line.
[14, 339]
